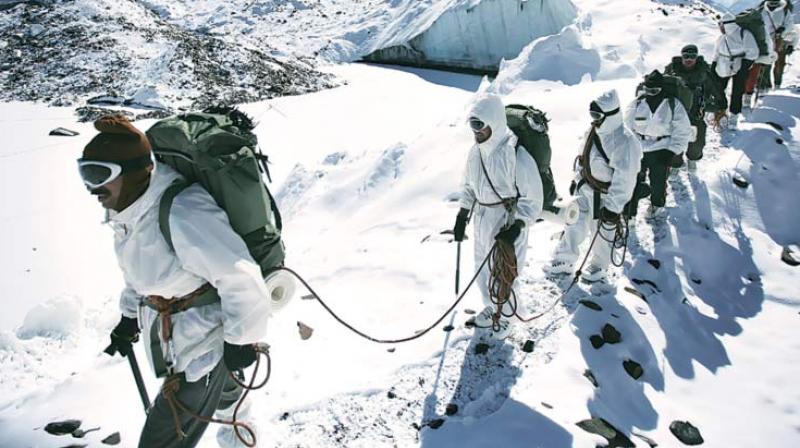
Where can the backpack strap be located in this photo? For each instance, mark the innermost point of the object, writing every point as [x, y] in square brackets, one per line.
[164, 206]
[599, 145]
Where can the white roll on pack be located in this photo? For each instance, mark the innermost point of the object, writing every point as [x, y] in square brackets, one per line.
[567, 214]
[281, 288]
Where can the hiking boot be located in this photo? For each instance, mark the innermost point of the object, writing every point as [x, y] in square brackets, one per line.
[692, 166]
[484, 318]
[226, 434]
[654, 212]
[502, 330]
[559, 267]
[594, 274]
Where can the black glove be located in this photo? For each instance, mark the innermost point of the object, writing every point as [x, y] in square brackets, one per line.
[123, 336]
[510, 234]
[608, 216]
[461, 225]
[789, 50]
[238, 357]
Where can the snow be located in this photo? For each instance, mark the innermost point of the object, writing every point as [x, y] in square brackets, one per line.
[58, 317]
[364, 173]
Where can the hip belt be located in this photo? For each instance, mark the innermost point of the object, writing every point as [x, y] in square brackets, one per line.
[652, 138]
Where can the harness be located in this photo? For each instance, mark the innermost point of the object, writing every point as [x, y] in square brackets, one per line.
[161, 329]
[509, 203]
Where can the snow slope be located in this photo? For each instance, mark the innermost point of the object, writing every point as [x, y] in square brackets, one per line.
[716, 336]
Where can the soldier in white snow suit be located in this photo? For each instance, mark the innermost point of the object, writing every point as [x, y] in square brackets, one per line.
[210, 273]
[779, 22]
[604, 183]
[662, 125]
[735, 52]
[502, 183]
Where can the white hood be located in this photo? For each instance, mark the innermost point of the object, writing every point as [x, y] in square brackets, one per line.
[608, 102]
[490, 110]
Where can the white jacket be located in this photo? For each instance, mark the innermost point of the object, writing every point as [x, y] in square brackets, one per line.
[672, 127]
[624, 158]
[780, 19]
[206, 250]
[733, 46]
[510, 169]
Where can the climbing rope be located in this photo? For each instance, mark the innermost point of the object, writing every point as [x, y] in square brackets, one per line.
[171, 387]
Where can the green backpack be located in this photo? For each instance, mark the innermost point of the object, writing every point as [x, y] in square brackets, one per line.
[751, 20]
[676, 88]
[217, 149]
[530, 126]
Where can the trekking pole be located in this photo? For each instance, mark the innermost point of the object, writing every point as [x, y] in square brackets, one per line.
[458, 265]
[137, 375]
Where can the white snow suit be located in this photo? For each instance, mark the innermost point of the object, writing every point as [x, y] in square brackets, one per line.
[207, 250]
[512, 171]
[779, 18]
[624, 158]
[733, 46]
[662, 129]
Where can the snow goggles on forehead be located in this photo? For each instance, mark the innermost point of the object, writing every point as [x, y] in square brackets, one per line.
[96, 173]
[476, 124]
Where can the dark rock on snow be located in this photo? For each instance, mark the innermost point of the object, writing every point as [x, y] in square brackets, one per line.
[601, 427]
[113, 439]
[633, 368]
[590, 376]
[596, 341]
[686, 433]
[63, 427]
[591, 305]
[611, 335]
[64, 132]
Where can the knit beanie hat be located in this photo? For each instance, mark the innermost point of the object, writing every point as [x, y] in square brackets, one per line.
[120, 141]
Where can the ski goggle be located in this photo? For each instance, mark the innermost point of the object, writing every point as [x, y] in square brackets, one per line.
[689, 56]
[476, 125]
[651, 91]
[596, 116]
[96, 173]
[773, 3]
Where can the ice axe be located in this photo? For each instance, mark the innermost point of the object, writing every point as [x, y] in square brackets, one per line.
[137, 374]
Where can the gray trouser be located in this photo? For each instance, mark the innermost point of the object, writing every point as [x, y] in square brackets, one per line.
[214, 391]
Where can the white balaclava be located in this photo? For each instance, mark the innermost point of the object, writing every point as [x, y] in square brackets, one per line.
[728, 21]
[490, 110]
[609, 102]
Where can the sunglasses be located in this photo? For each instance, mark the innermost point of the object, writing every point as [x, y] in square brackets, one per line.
[476, 125]
[689, 56]
[96, 173]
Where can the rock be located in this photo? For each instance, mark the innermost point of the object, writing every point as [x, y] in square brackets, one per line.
[633, 368]
[469, 311]
[308, 297]
[652, 443]
[654, 263]
[481, 348]
[391, 350]
[448, 328]
[80, 433]
[391, 395]
[64, 132]
[779, 141]
[63, 427]
[611, 335]
[775, 126]
[650, 283]
[604, 429]
[436, 424]
[114, 439]
[696, 280]
[686, 433]
[35, 30]
[590, 376]
[597, 341]
[76, 445]
[547, 405]
[740, 181]
[591, 305]
[636, 293]
[304, 330]
[284, 416]
[791, 255]
[451, 409]
[528, 346]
